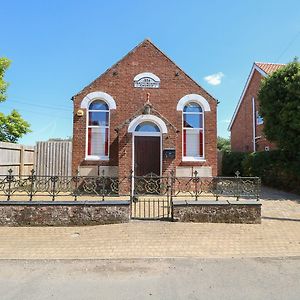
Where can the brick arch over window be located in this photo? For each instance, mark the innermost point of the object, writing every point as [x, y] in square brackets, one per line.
[98, 106]
[193, 98]
[193, 107]
[98, 95]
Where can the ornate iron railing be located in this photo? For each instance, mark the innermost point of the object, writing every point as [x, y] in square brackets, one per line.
[196, 187]
[73, 188]
[64, 187]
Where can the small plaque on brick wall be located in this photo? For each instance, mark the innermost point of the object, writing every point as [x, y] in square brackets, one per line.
[169, 153]
[146, 80]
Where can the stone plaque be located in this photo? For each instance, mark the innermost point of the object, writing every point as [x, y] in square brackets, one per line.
[146, 80]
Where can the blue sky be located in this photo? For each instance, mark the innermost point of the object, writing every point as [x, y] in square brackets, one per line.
[57, 47]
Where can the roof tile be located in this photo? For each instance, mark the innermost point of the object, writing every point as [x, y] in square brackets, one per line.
[269, 67]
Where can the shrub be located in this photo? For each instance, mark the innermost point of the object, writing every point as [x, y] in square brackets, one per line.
[275, 168]
[232, 162]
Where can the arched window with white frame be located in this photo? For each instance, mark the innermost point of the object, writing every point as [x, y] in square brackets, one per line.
[98, 130]
[193, 132]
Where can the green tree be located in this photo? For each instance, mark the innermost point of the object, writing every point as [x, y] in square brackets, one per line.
[279, 98]
[4, 64]
[12, 126]
[223, 144]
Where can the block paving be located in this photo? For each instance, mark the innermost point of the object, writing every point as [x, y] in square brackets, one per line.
[277, 236]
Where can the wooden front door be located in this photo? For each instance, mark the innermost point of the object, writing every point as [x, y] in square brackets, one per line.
[146, 155]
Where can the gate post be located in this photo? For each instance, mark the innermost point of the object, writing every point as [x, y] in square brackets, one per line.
[196, 185]
[172, 178]
[131, 186]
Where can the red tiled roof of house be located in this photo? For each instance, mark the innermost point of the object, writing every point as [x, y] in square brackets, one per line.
[265, 69]
[269, 68]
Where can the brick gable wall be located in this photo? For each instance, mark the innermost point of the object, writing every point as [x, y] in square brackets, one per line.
[242, 128]
[118, 82]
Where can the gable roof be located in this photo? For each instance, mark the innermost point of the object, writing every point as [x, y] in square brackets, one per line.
[268, 68]
[132, 51]
[265, 69]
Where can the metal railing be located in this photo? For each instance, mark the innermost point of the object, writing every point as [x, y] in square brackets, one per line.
[73, 188]
[196, 187]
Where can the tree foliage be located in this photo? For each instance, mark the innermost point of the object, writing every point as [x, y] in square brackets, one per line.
[4, 64]
[12, 126]
[223, 144]
[279, 98]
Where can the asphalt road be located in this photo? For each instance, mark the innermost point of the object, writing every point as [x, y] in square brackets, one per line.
[262, 278]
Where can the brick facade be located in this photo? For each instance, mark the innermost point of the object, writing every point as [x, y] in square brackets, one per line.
[242, 127]
[118, 82]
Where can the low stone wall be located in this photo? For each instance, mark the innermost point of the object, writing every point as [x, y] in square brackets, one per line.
[218, 211]
[63, 213]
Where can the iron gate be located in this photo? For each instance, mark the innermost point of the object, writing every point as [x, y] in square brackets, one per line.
[149, 208]
[152, 198]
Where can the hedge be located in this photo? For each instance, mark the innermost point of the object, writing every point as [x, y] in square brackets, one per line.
[275, 168]
[232, 162]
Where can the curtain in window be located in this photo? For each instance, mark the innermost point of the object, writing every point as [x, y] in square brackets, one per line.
[98, 129]
[193, 143]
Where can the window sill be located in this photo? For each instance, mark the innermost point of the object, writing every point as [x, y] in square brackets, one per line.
[193, 159]
[106, 158]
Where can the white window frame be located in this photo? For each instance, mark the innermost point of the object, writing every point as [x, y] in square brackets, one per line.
[97, 157]
[193, 158]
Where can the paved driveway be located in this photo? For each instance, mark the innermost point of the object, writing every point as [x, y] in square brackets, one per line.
[277, 236]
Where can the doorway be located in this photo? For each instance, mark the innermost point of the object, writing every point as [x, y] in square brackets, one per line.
[147, 149]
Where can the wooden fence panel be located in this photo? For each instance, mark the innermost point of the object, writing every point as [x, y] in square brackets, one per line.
[17, 157]
[54, 158]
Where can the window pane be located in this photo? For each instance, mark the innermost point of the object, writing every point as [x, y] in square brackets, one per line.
[259, 119]
[192, 120]
[98, 141]
[147, 127]
[192, 107]
[98, 118]
[193, 143]
[98, 105]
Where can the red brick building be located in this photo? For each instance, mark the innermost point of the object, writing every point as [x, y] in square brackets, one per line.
[246, 125]
[144, 114]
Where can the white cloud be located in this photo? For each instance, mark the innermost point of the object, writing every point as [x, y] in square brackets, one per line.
[214, 79]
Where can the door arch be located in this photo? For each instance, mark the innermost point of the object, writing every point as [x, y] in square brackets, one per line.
[147, 149]
[147, 133]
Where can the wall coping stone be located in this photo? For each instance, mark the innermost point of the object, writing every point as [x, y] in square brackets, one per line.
[66, 203]
[214, 202]
[244, 202]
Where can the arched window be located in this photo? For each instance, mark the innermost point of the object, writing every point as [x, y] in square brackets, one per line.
[98, 130]
[147, 127]
[193, 132]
